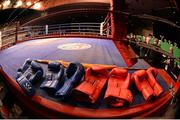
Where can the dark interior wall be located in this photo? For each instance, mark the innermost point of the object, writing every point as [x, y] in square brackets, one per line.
[54, 3]
[69, 18]
[19, 14]
[145, 27]
[78, 6]
[169, 32]
[25, 15]
[145, 6]
[72, 13]
[178, 4]
[140, 26]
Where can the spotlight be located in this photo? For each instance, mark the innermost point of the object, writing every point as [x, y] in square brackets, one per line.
[19, 3]
[6, 3]
[29, 3]
[37, 6]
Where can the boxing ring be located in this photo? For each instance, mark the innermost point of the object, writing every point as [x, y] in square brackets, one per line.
[98, 51]
[91, 48]
[67, 45]
[87, 50]
[83, 50]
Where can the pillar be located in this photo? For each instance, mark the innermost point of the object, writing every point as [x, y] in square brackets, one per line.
[0, 40]
[16, 33]
[101, 28]
[46, 29]
[118, 20]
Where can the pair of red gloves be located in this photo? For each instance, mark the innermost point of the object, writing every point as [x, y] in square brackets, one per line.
[117, 93]
[146, 83]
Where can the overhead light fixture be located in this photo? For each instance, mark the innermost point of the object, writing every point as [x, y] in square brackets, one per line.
[19, 3]
[28, 3]
[6, 3]
[37, 6]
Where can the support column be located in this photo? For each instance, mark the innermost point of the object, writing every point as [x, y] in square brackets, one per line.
[16, 33]
[118, 21]
[101, 28]
[0, 40]
[119, 31]
[46, 29]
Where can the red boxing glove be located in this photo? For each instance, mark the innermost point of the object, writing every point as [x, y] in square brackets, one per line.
[141, 81]
[152, 73]
[90, 89]
[117, 93]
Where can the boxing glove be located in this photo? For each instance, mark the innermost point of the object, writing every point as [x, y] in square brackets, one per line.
[117, 93]
[24, 67]
[90, 89]
[152, 73]
[72, 77]
[53, 78]
[140, 78]
[31, 75]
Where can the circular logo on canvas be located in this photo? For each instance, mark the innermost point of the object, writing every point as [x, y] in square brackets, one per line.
[74, 46]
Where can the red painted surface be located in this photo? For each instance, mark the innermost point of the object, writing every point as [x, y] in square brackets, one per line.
[45, 108]
[118, 21]
[127, 53]
[152, 74]
[90, 89]
[140, 79]
[119, 31]
[46, 4]
[118, 93]
[54, 3]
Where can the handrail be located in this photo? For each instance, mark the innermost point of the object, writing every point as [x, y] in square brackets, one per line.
[20, 33]
[153, 47]
[156, 18]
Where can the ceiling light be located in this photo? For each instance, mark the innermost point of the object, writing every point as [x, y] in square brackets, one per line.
[19, 3]
[6, 3]
[29, 3]
[37, 6]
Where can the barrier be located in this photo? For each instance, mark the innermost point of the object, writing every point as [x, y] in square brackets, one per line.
[0, 39]
[24, 33]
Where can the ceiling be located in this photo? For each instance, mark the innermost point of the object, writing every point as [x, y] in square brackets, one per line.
[133, 5]
[167, 9]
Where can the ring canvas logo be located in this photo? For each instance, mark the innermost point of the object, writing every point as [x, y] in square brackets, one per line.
[74, 46]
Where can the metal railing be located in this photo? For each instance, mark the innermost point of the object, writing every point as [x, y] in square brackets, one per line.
[12, 35]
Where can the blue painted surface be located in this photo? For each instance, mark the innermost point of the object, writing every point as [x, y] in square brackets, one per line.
[101, 52]
[141, 64]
